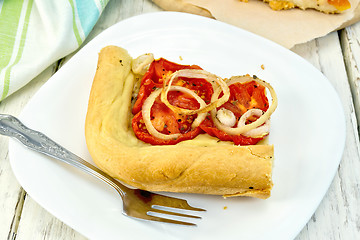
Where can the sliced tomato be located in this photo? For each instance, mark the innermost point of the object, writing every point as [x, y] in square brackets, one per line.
[243, 96]
[142, 133]
[162, 118]
[154, 78]
[208, 126]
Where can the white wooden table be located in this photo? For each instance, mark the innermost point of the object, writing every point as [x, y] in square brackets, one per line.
[337, 55]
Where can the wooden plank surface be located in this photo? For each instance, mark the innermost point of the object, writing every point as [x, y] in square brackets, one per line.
[338, 214]
[350, 39]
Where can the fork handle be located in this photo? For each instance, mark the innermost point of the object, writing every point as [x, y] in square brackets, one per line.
[37, 141]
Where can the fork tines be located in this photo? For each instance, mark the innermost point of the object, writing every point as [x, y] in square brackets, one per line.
[157, 211]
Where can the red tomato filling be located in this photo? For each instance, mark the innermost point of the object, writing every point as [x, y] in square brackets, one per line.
[164, 119]
[242, 97]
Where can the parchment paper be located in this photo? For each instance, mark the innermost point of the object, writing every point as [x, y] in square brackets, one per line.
[286, 27]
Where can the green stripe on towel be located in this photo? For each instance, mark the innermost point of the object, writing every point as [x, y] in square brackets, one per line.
[75, 28]
[20, 50]
[9, 22]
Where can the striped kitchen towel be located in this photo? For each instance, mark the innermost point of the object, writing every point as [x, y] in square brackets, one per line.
[36, 33]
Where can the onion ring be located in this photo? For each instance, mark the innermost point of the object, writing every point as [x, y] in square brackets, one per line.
[256, 132]
[146, 109]
[261, 120]
[196, 73]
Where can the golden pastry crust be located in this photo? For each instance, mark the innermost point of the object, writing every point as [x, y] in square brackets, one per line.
[193, 166]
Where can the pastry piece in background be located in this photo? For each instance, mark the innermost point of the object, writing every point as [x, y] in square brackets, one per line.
[287, 28]
[325, 6]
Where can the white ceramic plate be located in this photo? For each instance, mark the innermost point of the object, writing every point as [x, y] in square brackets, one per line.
[306, 153]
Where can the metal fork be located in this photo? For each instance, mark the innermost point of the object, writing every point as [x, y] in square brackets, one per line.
[136, 203]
